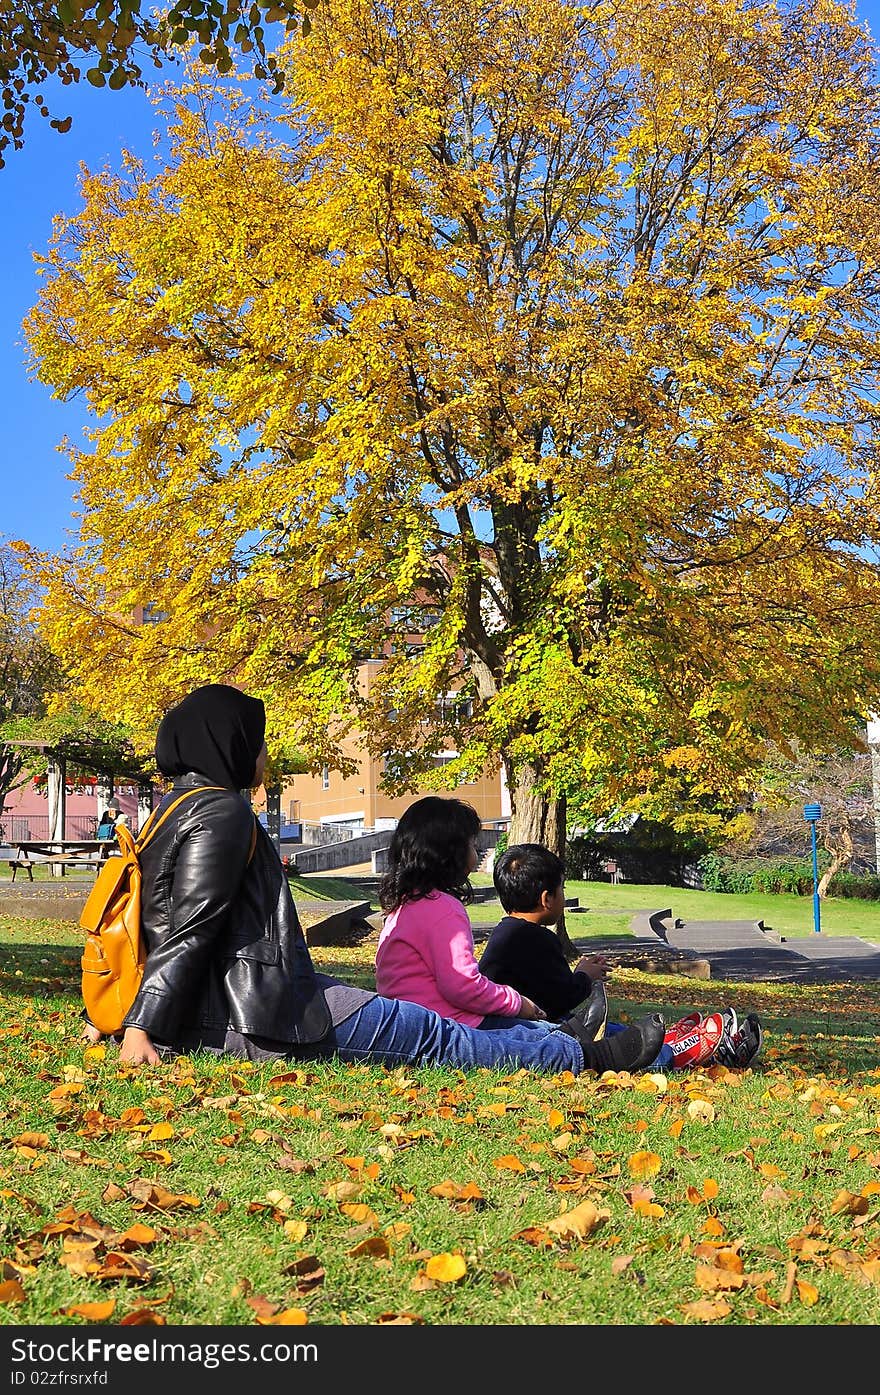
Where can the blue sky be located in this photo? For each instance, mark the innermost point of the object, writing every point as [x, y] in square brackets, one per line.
[36, 498]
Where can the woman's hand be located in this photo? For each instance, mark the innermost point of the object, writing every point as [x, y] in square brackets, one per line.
[137, 1049]
[530, 1011]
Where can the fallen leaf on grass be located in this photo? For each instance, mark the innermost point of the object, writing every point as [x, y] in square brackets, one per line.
[11, 1291]
[581, 1221]
[644, 1164]
[807, 1293]
[92, 1312]
[509, 1162]
[708, 1193]
[701, 1112]
[446, 1268]
[364, 1215]
[36, 1141]
[850, 1204]
[710, 1280]
[308, 1272]
[376, 1246]
[288, 1317]
[535, 1235]
[399, 1320]
[704, 1310]
[143, 1317]
[650, 1209]
[621, 1264]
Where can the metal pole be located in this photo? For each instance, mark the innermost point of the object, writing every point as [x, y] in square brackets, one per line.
[817, 929]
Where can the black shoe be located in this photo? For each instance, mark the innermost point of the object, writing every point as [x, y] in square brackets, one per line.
[592, 1013]
[631, 1050]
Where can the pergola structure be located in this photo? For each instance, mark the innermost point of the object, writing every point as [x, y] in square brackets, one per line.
[59, 755]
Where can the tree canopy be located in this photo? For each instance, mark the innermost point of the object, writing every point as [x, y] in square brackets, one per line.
[557, 321]
[107, 40]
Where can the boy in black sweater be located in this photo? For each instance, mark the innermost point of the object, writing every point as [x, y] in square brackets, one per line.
[524, 953]
[522, 949]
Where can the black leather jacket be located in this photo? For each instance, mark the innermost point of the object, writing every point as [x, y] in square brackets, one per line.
[224, 944]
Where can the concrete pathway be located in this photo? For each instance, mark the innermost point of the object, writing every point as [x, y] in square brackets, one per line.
[738, 949]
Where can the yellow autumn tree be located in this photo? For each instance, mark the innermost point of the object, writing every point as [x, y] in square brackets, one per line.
[556, 321]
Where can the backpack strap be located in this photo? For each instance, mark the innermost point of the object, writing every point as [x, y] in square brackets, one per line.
[153, 824]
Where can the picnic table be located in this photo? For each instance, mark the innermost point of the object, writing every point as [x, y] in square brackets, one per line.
[88, 853]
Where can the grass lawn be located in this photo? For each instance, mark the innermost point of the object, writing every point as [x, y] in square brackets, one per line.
[214, 1192]
[790, 915]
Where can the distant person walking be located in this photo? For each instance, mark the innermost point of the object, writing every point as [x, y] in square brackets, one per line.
[107, 823]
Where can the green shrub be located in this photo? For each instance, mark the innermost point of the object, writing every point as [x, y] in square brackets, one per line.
[857, 886]
[747, 876]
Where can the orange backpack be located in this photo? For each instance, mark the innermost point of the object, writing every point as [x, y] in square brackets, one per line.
[114, 954]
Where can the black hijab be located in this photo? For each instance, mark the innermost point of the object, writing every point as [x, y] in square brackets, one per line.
[217, 731]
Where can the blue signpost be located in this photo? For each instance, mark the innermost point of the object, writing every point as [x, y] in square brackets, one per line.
[813, 813]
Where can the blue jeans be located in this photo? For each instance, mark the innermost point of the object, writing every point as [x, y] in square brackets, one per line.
[523, 1029]
[661, 1061]
[397, 1033]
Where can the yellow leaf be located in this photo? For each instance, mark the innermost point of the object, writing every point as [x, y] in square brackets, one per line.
[644, 1164]
[295, 1230]
[701, 1111]
[651, 1209]
[159, 1132]
[446, 1268]
[807, 1293]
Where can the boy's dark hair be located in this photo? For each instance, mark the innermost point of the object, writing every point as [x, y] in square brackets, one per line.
[429, 851]
[522, 872]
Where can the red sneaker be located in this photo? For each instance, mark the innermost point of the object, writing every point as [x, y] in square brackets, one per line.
[694, 1040]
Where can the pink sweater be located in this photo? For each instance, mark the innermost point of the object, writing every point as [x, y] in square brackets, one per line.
[426, 955]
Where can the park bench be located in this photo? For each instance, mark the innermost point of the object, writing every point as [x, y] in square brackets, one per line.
[66, 854]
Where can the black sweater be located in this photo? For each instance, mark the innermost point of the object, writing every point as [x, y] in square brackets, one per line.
[530, 959]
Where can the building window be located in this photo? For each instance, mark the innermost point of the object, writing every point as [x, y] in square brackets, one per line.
[325, 777]
[152, 616]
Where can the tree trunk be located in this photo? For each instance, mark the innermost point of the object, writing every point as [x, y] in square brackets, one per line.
[841, 856]
[538, 818]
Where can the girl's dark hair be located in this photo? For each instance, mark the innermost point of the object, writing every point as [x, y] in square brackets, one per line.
[429, 851]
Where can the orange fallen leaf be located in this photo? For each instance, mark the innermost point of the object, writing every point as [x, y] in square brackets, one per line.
[143, 1317]
[705, 1310]
[288, 1317]
[31, 1140]
[376, 1246]
[11, 1291]
[364, 1215]
[650, 1209]
[644, 1164]
[93, 1312]
[510, 1162]
[849, 1204]
[580, 1221]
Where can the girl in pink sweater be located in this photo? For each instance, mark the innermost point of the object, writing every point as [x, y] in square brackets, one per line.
[426, 948]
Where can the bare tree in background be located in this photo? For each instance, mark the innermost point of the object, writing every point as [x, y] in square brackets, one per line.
[27, 668]
[843, 785]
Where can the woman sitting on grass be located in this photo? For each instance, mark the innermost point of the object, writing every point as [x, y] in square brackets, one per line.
[228, 968]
